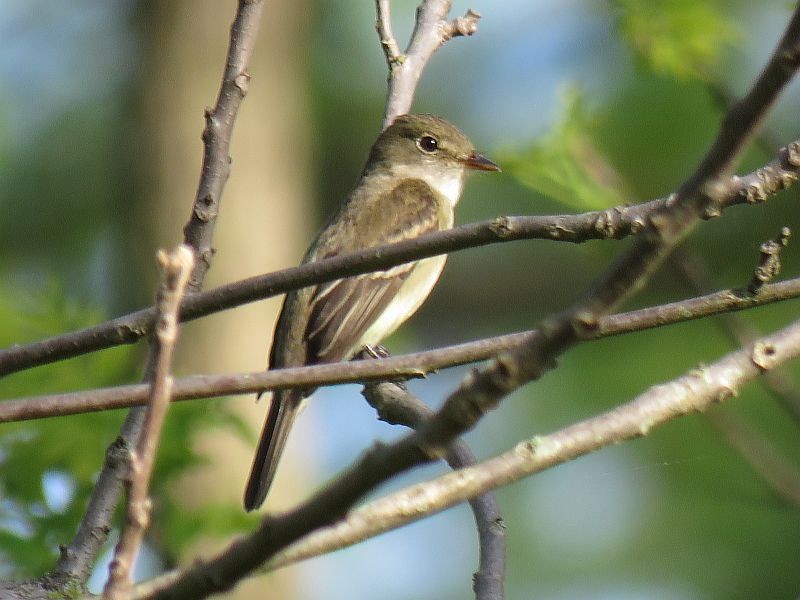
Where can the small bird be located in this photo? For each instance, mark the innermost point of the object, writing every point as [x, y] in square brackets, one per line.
[409, 186]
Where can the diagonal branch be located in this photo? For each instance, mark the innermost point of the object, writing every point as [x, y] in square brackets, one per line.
[696, 391]
[613, 223]
[396, 405]
[77, 558]
[431, 29]
[176, 269]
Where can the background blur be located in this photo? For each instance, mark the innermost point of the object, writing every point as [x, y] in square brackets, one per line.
[585, 104]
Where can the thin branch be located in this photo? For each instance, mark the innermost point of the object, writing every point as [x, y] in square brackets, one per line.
[696, 391]
[405, 366]
[614, 223]
[77, 558]
[199, 230]
[431, 29]
[769, 261]
[396, 405]
[383, 25]
[176, 269]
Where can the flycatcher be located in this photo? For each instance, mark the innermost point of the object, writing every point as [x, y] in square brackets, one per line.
[410, 185]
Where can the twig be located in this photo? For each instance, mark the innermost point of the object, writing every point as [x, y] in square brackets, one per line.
[431, 29]
[78, 557]
[199, 230]
[404, 73]
[614, 223]
[403, 366]
[396, 405]
[769, 262]
[383, 25]
[176, 268]
[696, 391]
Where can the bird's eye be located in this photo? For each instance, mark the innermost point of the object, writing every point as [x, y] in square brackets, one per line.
[428, 144]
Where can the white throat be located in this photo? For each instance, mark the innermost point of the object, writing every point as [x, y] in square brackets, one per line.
[448, 182]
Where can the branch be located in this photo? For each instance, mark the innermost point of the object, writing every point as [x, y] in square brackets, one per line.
[396, 405]
[765, 460]
[383, 25]
[614, 223]
[199, 231]
[176, 269]
[431, 30]
[77, 558]
[405, 366]
[696, 391]
[404, 73]
[769, 261]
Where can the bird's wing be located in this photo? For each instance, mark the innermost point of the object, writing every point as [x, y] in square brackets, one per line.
[341, 311]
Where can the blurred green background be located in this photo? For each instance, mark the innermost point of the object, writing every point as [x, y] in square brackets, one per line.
[584, 104]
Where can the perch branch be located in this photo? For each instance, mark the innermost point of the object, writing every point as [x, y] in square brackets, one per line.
[404, 366]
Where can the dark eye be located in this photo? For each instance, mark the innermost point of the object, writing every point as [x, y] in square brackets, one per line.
[428, 144]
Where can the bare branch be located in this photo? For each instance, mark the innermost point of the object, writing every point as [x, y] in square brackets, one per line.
[396, 405]
[406, 366]
[613, 223]
[696, 391]
[769, 262]
[176, 269]
[766, 460]
[698, 196]
[431, 30]
[383, 25]
[77, 558]
[199, 231]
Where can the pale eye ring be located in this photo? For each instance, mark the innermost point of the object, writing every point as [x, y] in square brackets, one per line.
[428, 144]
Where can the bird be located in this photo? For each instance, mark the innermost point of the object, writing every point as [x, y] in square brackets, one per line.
[409, 186]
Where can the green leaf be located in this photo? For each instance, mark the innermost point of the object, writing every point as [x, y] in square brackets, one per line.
[681, 38]
[565, 165]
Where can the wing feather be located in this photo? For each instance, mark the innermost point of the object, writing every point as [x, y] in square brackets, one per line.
[340, 312]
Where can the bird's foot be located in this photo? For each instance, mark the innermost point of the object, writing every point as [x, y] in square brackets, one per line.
[373, 351]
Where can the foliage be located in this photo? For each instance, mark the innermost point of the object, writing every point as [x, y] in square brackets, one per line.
[565, 165]
[681, 38]
[48, 466]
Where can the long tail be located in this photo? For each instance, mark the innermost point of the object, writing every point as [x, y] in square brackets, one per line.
[282, 412]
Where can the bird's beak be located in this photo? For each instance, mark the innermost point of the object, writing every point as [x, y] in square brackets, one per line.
[480, 163]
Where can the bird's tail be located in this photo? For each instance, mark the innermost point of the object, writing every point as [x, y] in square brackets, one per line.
[283, 409]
